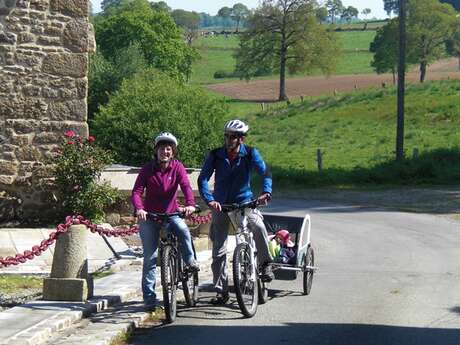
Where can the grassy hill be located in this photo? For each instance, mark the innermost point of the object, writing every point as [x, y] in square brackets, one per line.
[217, 55]
[356, 133]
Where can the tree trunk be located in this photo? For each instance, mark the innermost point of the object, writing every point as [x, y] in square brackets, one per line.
[394, 76]
[237, 25]
[423, 65]
[283, 96]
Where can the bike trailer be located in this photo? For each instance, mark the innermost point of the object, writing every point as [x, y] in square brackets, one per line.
[299, 230]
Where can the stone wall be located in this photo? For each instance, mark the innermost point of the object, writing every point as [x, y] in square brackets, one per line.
[44, 47]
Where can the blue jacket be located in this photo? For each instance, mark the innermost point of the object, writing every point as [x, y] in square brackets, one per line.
[232, 183]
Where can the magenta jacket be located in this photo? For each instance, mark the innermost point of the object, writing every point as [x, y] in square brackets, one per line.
[161, 188]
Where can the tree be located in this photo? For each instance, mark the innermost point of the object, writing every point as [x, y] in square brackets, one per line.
[189, 22]
[430, 25]
[285, 34]
[161, 6]
[365, 12]
[349, 13]
[150, 103]
[106, 4]
[239, 12]
[455, 3]
[385, 48]
[159, 39]
[334, 8]
[453, 44]
[321, 14]
[391, 6]
[226, 14]
[106, 76]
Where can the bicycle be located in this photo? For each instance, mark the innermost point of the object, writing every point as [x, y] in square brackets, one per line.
[249, 287]
[173, 269]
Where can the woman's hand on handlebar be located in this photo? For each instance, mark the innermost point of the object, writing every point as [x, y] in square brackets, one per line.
[141, 215]
[215, 205]
[188, 210]
[264, 198]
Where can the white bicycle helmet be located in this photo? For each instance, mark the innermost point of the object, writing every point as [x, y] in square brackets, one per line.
[165, 137]
[236, 126]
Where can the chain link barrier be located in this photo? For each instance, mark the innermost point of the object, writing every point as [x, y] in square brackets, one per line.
[61, 228]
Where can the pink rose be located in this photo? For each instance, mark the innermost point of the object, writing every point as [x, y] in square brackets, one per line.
[91, 139]
[69, 134]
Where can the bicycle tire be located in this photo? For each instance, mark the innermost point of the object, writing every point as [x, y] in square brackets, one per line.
[169, 282]
[263, 291]
[246, 291]
[309, 260]
[190, 288]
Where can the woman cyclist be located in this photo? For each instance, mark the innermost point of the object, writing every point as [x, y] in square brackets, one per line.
[159, 180]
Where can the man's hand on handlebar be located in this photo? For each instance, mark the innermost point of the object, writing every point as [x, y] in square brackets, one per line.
[215, 205]
[141, 215]
[188, 210]
[264, 198]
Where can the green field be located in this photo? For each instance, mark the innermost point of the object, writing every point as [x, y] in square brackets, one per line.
[356, 133]
[217, 55]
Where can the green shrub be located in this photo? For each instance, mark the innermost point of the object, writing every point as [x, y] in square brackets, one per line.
[106, 75]
[222, 74]
[78, 165]
[151, 102]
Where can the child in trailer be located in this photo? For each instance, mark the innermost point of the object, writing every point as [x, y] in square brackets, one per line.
[282, 248]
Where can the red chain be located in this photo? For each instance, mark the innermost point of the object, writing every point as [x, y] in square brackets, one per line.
[197, 220]
[64, 227]
[37, 250]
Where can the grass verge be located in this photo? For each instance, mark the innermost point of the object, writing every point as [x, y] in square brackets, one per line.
[15, 283]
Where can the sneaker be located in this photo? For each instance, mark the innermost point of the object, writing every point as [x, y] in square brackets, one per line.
[152, 306]
[193, 267]
[221, 298]
[267, 274]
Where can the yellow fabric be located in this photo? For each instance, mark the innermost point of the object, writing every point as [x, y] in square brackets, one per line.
[274, 248]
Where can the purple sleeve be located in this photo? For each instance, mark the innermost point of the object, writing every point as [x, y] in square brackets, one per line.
[185, 186]
[138, 189]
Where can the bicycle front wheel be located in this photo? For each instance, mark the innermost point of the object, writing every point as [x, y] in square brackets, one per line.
[190, 287]
[245, 280]
[169, 282]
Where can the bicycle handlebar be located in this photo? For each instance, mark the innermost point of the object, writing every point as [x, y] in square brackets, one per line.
[239, 206]
[164, 216]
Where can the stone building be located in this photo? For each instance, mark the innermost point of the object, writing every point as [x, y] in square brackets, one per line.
[44, 46]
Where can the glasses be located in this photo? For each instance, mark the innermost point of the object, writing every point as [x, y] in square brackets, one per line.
[232, 136]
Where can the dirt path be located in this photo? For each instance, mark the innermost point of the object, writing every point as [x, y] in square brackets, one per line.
[267, 90]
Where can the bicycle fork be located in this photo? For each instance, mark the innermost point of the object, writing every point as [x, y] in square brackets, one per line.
[244, 235]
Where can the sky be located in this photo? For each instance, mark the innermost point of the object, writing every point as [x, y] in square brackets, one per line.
[212, 6]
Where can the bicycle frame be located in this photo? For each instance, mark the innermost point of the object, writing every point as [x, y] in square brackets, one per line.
[239, 220]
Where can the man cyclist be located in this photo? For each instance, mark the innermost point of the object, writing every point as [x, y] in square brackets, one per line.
[159, 179]
[232, 165]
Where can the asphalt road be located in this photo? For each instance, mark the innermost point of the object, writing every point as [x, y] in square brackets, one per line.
[385, 278]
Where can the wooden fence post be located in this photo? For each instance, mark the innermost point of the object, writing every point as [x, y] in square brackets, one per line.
[319, 160]
[263, 106]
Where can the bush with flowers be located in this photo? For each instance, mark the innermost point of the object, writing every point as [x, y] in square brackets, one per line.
[77, 168]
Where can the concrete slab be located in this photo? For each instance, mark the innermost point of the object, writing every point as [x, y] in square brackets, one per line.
[123, 177]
